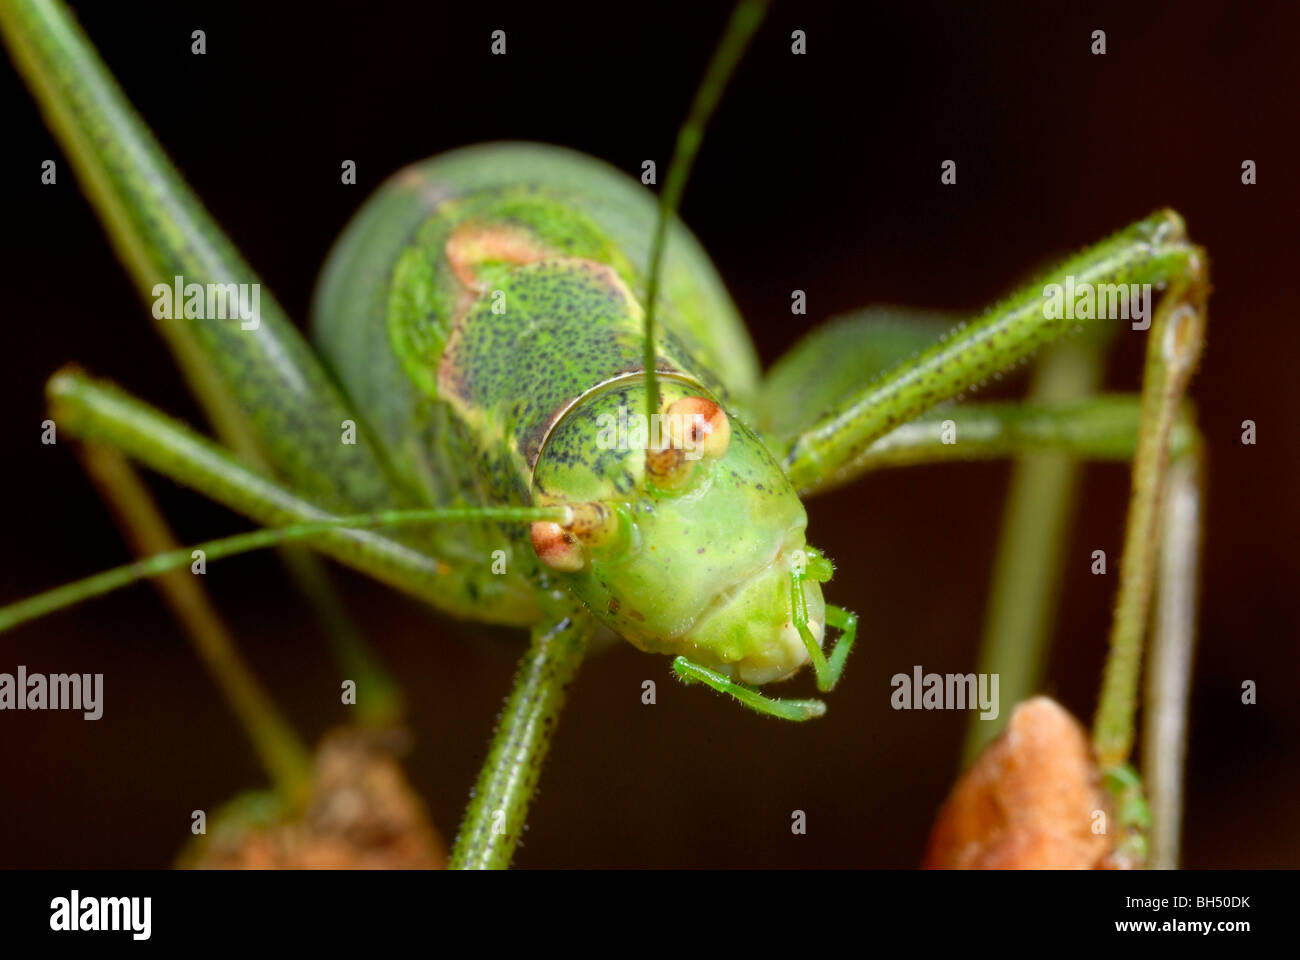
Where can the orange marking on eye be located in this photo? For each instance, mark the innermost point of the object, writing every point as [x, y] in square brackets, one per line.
[702, 425]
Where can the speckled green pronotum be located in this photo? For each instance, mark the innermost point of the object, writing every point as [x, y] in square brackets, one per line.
[500, 323]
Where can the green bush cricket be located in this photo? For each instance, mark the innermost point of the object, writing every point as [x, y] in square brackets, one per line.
[489, 314]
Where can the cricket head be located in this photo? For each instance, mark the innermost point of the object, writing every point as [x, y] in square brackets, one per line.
[684, 542]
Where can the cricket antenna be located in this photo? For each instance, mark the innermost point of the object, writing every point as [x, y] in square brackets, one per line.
[101, 583]
[744, 21]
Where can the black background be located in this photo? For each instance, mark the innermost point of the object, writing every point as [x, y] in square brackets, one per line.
[819, 172]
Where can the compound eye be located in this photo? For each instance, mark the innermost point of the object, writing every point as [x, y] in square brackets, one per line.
[556, 547]
[699, 427]
[693, 429]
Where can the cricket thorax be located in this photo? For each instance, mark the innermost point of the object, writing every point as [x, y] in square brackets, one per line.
[510, 372]
[509, 306]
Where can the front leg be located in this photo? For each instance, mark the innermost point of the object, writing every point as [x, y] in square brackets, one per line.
[828, 672]
[498, 807]
[816, 567]
[688, 671]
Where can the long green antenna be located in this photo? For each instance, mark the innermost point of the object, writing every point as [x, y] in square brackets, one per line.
[101, 583]
[744, 21]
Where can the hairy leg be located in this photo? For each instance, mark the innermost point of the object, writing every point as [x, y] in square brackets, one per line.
[494, 820]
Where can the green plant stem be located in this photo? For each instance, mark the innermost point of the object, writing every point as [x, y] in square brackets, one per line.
[283, 755]
[1026, 579]
[380, 703]
[1168, 686]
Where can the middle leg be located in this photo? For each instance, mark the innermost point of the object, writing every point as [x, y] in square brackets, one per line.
[1154, 251]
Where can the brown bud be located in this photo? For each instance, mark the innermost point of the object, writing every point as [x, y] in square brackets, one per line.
[1028, 802]
[361, 813]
